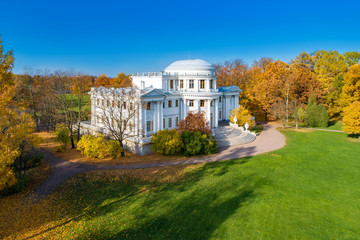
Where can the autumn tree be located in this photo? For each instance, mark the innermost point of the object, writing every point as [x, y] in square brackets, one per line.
[303, 60]
[116, 111]
[194, 122]
[352, 118]
[351, 88]
[102, 81]
[80, 86]
[121, 80]
[243, 116]
[67, 102]
[352, 58]
[15, 126]
[329, 68]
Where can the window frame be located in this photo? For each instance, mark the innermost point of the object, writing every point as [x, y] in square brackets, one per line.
[202, 83]
[191, 83]
[191, 103]
[202, 103]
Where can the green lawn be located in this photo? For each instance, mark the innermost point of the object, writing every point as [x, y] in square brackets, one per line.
[310, 189]
[335, 126]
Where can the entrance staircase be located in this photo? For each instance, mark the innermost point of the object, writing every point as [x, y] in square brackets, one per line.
[228, 136]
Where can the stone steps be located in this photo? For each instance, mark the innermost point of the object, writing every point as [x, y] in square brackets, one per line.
[228, 136]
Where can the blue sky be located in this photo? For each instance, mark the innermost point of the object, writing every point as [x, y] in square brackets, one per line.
[109, 37]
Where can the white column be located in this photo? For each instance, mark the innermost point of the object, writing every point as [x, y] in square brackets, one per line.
[139, 121]
[144, 122]
[216, 112]
[161, 116]
[155, 117]
[208, 110]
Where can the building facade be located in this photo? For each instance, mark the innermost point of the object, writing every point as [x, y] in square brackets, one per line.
[166, 98]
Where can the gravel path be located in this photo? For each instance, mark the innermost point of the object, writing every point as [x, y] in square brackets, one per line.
[319, 129]
[269, 140]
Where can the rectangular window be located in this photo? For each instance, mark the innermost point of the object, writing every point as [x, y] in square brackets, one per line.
[131, 106]
[107, 103]
[211, 84]
[191, 103]
[130, 126]
[219, 99]
[181, 83]
[176, 103]
[177, 121]
[148, 106]
[98, 102]
[202, 103]
[211, 103]
[102, 102]
[171, 84]
[148, 126]
[124, 105]
[97, 119]
[163, 104]
[124, 125]
[169, 103]
[202, 84]
[191, 84]
[164, 126]
[170, 122]
[113, 104]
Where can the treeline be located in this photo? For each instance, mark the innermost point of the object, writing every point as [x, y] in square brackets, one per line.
[61, 96]
[282, 90]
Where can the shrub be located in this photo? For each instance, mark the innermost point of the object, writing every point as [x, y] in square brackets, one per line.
[62, 135]
[166, 142]
[315, 114]
[243, 116]
[194, 121]
[114, 148]
[198, 143]
[93, 146]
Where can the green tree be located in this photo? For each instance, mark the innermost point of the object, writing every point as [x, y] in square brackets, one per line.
[352, 58]
[316, 114]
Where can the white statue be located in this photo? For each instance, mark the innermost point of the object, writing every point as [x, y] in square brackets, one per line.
[235, 119]
[246, 126]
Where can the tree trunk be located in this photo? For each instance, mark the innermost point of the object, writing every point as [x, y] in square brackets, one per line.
[297, 124]
[79, 120]
[122, 149]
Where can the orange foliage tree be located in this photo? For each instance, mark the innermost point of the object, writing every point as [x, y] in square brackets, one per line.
[103, 81]
[194, 121]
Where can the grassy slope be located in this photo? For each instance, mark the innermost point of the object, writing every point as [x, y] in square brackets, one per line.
[335, 126]
[310, 189]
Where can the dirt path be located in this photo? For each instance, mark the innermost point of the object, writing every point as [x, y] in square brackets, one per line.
[269, 140]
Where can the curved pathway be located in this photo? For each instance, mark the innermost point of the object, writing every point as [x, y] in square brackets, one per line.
[269, 140]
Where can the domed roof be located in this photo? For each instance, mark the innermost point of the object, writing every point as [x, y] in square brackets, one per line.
[195, 65]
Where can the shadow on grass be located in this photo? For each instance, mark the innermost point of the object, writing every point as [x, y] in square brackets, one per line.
[191, 208]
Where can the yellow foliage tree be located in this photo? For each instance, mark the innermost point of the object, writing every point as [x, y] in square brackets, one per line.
[15, 128]
[351, 89]
[242, 116]
[352, 118]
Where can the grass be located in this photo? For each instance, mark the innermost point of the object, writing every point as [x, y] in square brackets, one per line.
[336, 125]
[307, 190]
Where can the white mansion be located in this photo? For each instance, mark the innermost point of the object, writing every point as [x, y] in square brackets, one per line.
[167, 97]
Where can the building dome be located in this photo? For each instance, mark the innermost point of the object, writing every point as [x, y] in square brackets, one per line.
[190, 66]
